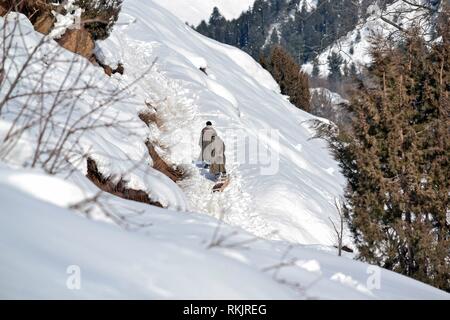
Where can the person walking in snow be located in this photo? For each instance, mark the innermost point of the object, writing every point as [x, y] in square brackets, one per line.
[217, 157]
[206, 139]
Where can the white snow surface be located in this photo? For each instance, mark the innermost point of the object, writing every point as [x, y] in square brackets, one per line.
[194, 11]
[42, 244]
[40, 237]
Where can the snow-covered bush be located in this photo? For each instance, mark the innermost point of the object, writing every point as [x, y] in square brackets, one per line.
[70, 18]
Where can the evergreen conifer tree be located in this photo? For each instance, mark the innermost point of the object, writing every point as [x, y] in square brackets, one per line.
[397, 160]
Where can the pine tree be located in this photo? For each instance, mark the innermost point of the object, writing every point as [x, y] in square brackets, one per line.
[397, 162]
[316, 70]
[335, 62]
[292, 80]
[274, 38]
[302, 36]
[353, 71]
[218, 24]
[203, 28]
[104, 12]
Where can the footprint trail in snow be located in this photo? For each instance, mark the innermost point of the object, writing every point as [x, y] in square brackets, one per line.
[233, 205]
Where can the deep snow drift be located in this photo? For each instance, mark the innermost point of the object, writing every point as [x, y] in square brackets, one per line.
[167, 253]
[44, 245]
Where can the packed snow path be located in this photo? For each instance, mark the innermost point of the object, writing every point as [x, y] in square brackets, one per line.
[233, 205]
[177, 112]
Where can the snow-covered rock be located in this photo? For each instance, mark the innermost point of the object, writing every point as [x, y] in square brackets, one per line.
[67, 21]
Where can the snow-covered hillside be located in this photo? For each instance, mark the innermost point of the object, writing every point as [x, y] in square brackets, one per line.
[194, 11]
[286, 190]
[354, 46]
[283, 188]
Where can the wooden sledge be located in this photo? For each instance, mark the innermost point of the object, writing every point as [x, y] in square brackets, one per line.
[221, 184]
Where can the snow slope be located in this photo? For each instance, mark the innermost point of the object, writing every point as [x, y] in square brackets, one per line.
[287, 188]
[170, 257]
[43, 243]
[118, 142]
[194, 11]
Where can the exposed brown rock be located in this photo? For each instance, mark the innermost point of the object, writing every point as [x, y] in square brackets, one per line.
[160, 165]
[44, 23]
[93, 60]
[3, 9]
[120, 69]
[108, 70]
[149, 117]
[118, 189]
[78, 41]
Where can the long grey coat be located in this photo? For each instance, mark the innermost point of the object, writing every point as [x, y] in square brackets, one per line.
[206, 138]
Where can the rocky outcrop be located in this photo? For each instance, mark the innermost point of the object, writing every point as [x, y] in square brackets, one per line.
[159, 164]
[39, 12]
[44, 23]
[78, 41]
[116, 188]
[120, 69]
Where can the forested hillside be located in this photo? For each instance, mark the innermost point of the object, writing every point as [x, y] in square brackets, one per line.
[303, 27]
